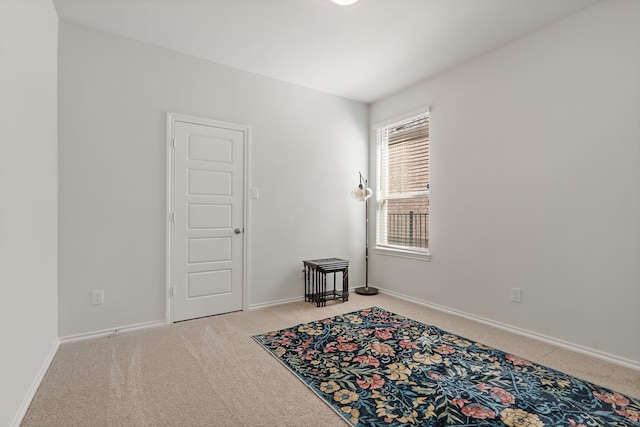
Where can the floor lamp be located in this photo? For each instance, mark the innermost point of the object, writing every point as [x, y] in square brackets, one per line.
[362, 193]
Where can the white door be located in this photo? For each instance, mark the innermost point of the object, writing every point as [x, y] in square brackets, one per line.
[207, 247]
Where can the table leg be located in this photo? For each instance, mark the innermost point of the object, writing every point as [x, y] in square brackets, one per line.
[323, 291]
[316, 291]
[334, 283]
[345, 284]
[306, 283]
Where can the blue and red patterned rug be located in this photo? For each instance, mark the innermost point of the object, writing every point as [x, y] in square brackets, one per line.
[377, 368]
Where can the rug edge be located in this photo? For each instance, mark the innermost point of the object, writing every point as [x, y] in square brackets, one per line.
[322, 398]
[516, 354]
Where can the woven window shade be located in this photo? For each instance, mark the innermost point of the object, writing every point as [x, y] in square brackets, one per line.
[403, 171]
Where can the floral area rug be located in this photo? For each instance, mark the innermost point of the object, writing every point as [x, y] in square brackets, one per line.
[376, 368]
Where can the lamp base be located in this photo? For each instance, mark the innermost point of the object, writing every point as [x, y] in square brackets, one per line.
[366, 290]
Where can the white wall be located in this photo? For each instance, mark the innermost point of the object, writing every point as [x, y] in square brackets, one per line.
[306, 150]
[28, 200]
[536, 184]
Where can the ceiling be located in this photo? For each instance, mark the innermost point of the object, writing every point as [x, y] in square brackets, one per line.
[363, 52]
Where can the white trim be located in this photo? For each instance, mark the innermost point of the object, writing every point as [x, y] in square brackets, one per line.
[607, 357]
[246, 130]
[286, 301]
[169, 224]
[26, 402]
[399, 253]
[275, 303]
[390, 250]
[246, 259]
[109, 332]
[403, 196]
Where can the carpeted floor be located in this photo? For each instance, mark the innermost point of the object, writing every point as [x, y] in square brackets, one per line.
[210, 372]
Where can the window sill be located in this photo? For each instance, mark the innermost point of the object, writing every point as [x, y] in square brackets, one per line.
[420, 256]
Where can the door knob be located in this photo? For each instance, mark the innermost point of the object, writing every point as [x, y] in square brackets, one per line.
[237, 231]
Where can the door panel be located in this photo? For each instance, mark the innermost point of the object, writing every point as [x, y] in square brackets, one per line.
[209, 183]
[211, 249]
[209, 216]
[208, 283]
[208, 194]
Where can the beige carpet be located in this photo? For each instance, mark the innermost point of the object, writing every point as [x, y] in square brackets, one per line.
[210, 372]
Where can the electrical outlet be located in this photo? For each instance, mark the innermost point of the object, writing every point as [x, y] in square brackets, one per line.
[515, 294]
[301, 273]
[97, 297]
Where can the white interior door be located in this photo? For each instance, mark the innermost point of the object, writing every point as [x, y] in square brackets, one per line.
[207, 247]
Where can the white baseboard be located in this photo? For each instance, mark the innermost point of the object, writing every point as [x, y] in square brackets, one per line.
[628, 363]
[274, 303]
[34, 386]
[286, 301]
[108, 332]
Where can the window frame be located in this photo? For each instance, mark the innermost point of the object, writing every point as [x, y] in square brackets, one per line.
[381, 198]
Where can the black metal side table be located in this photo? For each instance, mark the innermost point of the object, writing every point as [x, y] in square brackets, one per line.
[315, 280]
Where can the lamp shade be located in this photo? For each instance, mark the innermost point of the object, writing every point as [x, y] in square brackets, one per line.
[361, 193]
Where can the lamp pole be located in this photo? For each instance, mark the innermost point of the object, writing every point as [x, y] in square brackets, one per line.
[366, 290]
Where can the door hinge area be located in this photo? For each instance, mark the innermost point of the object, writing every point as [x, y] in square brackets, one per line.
[172, 217]
[172, 291]
[173, 142]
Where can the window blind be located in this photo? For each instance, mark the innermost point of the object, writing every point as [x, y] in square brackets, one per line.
[402, 214]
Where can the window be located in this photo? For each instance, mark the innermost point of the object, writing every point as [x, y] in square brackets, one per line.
[402, 212]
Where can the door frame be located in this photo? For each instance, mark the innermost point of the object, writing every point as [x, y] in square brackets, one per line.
[246, 130]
